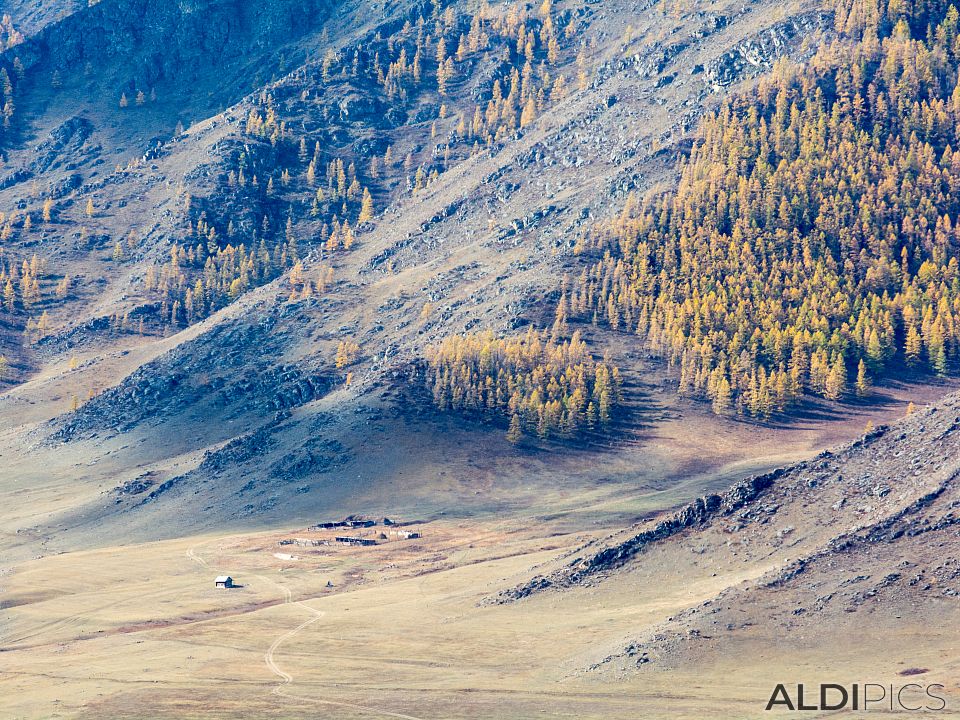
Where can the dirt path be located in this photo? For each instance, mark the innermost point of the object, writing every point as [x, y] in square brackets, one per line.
[199, 560]
[286, 679]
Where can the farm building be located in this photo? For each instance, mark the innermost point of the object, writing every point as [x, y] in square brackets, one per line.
[352, 521]
[362, 523]
[224, 581]
[355, 541]
[329, 525]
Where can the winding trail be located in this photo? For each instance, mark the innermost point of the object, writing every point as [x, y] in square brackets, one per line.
[199, 560]
[286, 679]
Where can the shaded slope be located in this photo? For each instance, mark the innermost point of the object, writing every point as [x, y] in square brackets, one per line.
[860, 540]
[478, 247]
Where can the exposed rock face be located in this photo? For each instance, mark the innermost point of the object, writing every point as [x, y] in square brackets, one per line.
[696, 513]
[873, 507]
[30, 16]
[758, 53]
[171, 41]
[69, 136]
[893, 563]
[216, 371]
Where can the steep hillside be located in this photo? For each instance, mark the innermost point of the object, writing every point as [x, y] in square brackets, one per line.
[253, 229]
[529, 277]
[810, 240]
[894, 478]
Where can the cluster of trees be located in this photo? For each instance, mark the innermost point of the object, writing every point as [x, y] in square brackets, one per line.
[14, 72]
[37, 329]
[140, 98]
[13, 221]
[526, 83]
[202, 278]
[531, 83]
[540, 385]
[288, 184]
[123, 323]
[811, 243]
[425, 57]
[8, 222]
[263, 122]
[9, 35]
[302, 285]
[348, 352]
[20, 283]
[7, 91]
[333, 189]
[342, 181]
[218, 260]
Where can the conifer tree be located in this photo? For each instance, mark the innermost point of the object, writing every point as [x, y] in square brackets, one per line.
[515, 432]
[366, 208]
[863, 380]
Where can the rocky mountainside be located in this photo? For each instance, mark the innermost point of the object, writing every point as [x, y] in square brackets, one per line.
[859, 537]
[648, 312]
[462, 237]
[374, 184]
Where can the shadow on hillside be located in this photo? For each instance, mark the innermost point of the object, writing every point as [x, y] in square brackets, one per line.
[812, 410]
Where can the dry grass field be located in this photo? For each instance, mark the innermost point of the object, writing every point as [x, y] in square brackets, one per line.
[95, 629]
[403, 632]
[146, 450]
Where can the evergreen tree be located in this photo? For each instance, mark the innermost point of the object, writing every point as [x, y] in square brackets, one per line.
[366, 208]
[515, 432]
[863, 380]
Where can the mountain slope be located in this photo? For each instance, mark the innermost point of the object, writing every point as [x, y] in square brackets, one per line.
[838, 545]
[266, 266]
[470, 249]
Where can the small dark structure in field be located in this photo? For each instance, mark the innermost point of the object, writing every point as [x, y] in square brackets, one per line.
[224, 581]
[353, 521]
[355, 541]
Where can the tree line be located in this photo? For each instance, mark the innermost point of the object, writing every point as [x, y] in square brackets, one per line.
[539, 385]
[810, 245]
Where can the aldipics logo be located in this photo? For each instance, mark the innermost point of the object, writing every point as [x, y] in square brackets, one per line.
[910, 697]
